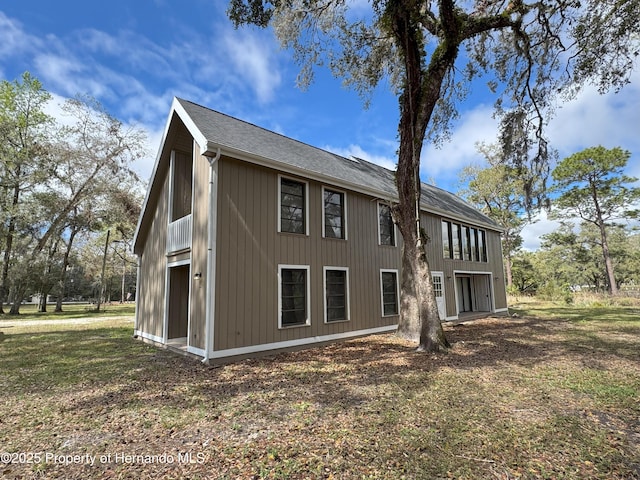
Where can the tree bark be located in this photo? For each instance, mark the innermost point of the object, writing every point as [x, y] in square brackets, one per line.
[63, 271]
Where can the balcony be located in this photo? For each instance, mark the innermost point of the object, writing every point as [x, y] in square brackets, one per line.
[179, 234]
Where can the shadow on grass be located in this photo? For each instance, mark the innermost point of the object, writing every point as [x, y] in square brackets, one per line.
[338, 376]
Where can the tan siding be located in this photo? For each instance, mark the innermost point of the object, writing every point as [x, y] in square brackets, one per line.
[199, 248]
[437, 262]
[249, 250]
[151, 290]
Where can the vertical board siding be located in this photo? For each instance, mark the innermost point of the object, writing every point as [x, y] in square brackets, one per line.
[249, 250]
[433, 227]
[199, 248]
[153, 262]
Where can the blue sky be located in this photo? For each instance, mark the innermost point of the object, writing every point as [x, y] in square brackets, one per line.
[135, 56]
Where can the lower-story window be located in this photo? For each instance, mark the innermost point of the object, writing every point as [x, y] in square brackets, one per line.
[294, 295]
[389, 290]
[336, 294]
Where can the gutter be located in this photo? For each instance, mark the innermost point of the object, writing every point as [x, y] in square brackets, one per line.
[211, 260]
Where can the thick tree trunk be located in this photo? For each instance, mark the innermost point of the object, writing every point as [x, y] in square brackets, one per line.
[417, 102]
[409, 326]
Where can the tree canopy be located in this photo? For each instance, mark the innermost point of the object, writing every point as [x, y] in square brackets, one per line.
[530, 52]
[594, 188]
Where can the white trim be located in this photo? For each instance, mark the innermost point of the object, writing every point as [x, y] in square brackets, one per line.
[395, 232]
[306, 203]
[148, 336]
[307, 268]
[196, 351]
[344, 212]
[442, 287]
[347, 293]
[136, 315]
[390, 270]
[167, 285]
[212, 239]
[471, 273]
[172, 174]
[302, 341]
[500, 310]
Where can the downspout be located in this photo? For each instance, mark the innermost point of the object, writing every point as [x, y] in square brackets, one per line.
[136, 321]
[209, 283]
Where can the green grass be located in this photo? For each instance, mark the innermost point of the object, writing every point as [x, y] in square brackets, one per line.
[81, 310]
[551, 394]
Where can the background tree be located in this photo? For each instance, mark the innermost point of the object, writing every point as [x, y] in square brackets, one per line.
[57, 184]
[593, 187]
[23, 161]
[532, 50]
[499, 193]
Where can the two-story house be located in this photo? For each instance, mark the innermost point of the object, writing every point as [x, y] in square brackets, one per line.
[250, 241]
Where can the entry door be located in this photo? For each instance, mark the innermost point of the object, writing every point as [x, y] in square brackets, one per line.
[178, 314]
[483, 292]
[465, 303]
[438, 288]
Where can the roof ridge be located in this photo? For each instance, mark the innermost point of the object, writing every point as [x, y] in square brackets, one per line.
[285, 137]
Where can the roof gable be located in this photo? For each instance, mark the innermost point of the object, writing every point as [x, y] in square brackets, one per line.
[213, 130]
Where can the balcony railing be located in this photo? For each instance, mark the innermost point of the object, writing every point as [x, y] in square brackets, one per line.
[179, 234]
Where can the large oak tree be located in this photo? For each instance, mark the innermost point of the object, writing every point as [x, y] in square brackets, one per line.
[529, 51]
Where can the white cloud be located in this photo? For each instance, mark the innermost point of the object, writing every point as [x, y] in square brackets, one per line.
[253, 58]
[532, 232]
[476, 125]
[592, 119]
[13, 39]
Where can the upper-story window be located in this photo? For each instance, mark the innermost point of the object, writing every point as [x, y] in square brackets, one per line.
[334, 214]
[181, 185]
[293, 206]
[461, 242]
[386, 228]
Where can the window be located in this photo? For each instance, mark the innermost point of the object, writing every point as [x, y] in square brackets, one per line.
[446, 238]
[463, 243]
[336, 296]
[181, 180]
[293, 206]
[474, 245]
[482, 245]
[437, 285]
[333, 209]
[466, 243]
[455, 241]
[386, 226]
[389, 289]
[294, 295]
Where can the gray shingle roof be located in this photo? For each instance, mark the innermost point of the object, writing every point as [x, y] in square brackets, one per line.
[242, 136]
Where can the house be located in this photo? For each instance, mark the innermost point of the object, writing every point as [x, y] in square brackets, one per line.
[250, 241]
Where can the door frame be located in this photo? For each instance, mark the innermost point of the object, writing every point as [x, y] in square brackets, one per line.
[167, 296]
[488, 277]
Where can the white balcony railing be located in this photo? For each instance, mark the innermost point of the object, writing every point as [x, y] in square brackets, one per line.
[179, 235]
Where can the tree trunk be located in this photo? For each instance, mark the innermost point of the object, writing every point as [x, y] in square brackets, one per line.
[63, 271]
[409, 327]
[608, 264]
[420, 94]
[4, 287]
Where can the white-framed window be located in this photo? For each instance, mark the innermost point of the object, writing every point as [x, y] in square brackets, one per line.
[386, 227]
[181, 185]
[334, 213]
[336, 294]
[389, 292]
[293, 206]
[294, 296]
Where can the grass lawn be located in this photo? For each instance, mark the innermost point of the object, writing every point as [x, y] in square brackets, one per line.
[554, 393]
[76, 310]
